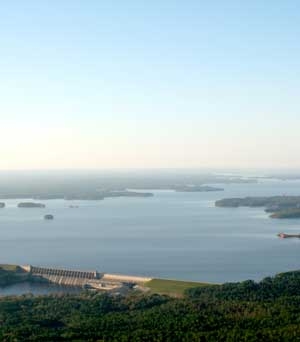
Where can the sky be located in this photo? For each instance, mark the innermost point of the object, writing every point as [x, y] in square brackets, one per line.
[149, 84]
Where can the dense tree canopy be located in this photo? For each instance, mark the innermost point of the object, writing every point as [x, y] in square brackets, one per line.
[246, 311]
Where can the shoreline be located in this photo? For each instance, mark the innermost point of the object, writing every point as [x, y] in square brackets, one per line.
[94, 280]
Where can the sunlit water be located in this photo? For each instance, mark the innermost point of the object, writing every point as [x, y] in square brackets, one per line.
[170, 235]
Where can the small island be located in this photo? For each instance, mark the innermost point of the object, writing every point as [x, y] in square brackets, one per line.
[48, 217]
[2, 205]
[31, 205]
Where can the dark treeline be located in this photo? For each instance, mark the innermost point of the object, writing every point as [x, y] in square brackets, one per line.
[283, 284]
[246, 311]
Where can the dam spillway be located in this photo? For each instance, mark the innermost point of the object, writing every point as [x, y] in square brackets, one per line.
[92, 279]
[64, 276]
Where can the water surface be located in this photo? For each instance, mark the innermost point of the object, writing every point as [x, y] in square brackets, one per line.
[170, 235]
[37, 289]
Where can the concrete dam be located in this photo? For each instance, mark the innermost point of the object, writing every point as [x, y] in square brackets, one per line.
[90, 279]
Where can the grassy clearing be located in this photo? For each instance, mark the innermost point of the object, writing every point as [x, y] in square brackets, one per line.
[172, 287]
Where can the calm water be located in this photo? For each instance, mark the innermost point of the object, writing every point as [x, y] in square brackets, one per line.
[37, 289]
[171, 235]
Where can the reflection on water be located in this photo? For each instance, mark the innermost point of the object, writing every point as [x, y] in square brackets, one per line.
[37, 289]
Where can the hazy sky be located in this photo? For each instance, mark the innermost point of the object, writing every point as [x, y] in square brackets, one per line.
[101, 84]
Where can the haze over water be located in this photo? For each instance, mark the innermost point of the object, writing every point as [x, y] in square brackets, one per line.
[171, 235]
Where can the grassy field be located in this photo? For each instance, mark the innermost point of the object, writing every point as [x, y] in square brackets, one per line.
[172, 287]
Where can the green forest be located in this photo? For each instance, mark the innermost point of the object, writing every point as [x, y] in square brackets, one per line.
[244, 311]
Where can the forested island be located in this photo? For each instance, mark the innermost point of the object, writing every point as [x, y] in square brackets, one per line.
[48, 217]
[245, 311]
[279, 206]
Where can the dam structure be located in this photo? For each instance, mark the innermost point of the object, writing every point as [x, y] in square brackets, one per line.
[89, 279]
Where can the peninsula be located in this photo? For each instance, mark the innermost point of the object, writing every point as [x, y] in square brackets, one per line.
[287, 213]
[278, 206]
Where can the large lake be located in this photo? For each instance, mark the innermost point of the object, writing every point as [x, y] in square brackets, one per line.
[171, 235]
